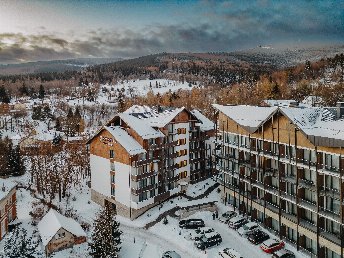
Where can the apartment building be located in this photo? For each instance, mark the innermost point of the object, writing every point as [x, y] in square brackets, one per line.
[284, 167]
[144, 155]
[8, 208]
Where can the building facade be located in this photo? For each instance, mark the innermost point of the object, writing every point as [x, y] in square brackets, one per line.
[8, 206]
[284, 167]
[143, 156]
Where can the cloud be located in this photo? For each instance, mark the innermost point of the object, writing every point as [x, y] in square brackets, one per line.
[219, 26]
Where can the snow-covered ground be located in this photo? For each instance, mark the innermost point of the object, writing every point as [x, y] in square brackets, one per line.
[151, 243]
[142, 87]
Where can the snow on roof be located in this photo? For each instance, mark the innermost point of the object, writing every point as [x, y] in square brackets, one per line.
[140, 126]
[53, 221]
[317, 122]
[124, 139]
[154, 116]
[249, 117]
[5, 187]
[281, 102]
[206, 124]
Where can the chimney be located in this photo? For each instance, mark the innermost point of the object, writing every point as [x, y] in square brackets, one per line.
[340, 109]
[3, 188]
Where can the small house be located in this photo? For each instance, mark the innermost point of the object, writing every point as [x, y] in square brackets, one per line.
[59, 232]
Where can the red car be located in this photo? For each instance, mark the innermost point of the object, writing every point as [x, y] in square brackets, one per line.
[272, 245]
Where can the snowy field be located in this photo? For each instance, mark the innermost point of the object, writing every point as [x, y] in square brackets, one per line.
[142, 87]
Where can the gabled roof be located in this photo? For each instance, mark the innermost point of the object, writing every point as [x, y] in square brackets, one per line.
[124, 139]
[140, 126]
[53, 222]
[6, 187]
[154, 116]
[205, 123]
[248, 117]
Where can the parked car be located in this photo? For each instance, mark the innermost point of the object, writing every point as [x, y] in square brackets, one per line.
[248, 228]
[191, 223]
[225, 217]
[257, 237]
[198, 233]
[283, 253]
[272, 245]
[229, 253]
[237, 222]
[171, 254]
[209, 240]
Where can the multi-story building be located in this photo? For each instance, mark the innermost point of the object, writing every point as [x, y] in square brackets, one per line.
[8, 208]
[144, 155]
[284, 167]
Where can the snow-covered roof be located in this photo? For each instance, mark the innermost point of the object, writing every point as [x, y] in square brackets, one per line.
[53, 221]
[141, 126]
[319, 124]
[124, 139]
[206, 124]
[6, 186]
[154, 116]
[249, 117]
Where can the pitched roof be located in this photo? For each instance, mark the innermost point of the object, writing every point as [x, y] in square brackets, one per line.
[53, 221]
[205, 123]
[124, 139]
[6, 186]
[154, 116]
[140, 126]
[248, 117]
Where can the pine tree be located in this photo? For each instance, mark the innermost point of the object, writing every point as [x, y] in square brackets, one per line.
[41, 92]
[106, 236]
[19, 245]
[4, 96]
[15, 162]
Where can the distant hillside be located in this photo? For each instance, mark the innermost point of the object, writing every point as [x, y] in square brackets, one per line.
[53, 66]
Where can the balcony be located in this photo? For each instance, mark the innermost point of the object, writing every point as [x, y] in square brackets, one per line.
[308, 225]
[331, 215]
[137, 191]
[143, 162]
[334, 237]
[289, 216]
[272, 206]
[305, 183]
[289, 179]
[330, 192]
[308, 205]
[288, 197]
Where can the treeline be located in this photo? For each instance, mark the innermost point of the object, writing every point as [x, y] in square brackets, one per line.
[11, 160]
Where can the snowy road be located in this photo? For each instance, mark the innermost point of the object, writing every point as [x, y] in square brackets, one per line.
[156, 245]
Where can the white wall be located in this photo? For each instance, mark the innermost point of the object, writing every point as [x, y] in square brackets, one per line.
[100, 175]
[123, 191]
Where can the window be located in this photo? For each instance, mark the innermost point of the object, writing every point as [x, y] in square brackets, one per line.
[143, 196]
[181, 141]
[181, 130]
[152, 193]
[183, 175]
[113, 191]
[183, 163]
[113, 178]
[60, 235]
[112, 154]
[152, 180]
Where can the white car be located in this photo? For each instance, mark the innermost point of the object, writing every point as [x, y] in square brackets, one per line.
[248, 228]
[229, 253]
[198, 233]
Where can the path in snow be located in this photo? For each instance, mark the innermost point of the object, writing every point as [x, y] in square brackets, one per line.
[151, 238]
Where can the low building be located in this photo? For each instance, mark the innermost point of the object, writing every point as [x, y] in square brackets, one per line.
[8, 209]
[145, 155]
[59, 232]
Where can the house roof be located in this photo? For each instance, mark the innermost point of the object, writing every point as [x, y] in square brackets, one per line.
[124, 139]
[320, 125]
[6, 186]
[142, 127]
[53, 222]
[248, 117]
[205, 123]
[154, 116]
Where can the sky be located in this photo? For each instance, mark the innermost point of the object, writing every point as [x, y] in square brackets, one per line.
[32, 30]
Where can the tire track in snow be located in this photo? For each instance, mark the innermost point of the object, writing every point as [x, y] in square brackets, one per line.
[152, 238]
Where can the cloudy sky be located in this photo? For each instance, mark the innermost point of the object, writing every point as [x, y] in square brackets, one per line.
[33, 30]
